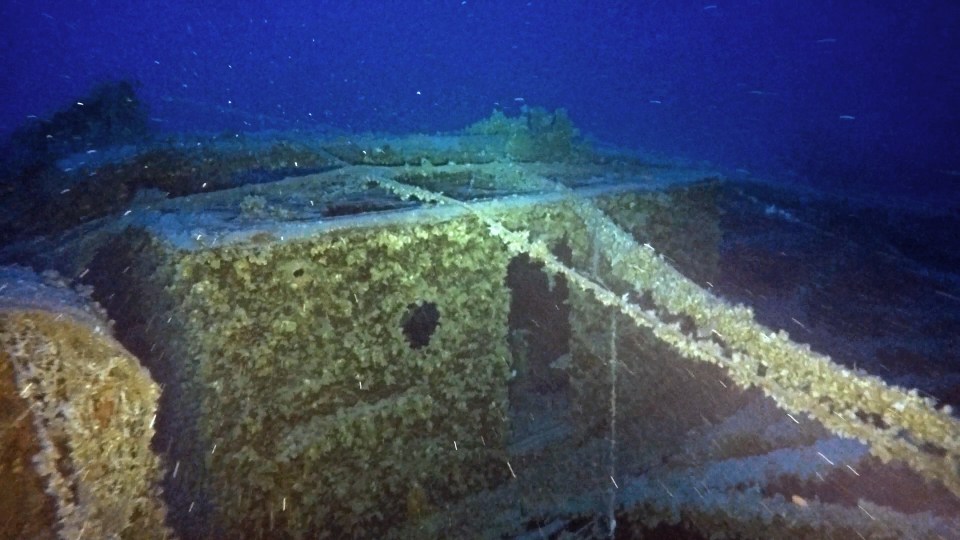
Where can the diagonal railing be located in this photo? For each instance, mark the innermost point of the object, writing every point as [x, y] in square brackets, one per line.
[894, 422]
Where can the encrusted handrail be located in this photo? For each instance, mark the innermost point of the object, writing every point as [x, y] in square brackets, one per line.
[896, 423]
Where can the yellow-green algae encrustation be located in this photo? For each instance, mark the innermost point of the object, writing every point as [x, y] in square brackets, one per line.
[346, 371]
[321, 377]
[77, 419]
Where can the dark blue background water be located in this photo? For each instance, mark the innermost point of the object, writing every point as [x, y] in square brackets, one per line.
[757, 85]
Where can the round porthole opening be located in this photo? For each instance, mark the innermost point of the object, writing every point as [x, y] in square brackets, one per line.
[419, 323]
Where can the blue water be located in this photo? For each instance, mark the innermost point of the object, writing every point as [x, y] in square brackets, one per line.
[855, 97]
[853, 94]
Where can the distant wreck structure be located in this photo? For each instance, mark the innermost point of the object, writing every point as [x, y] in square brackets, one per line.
[498, 333]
